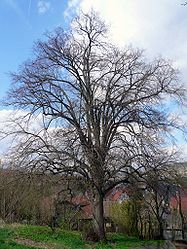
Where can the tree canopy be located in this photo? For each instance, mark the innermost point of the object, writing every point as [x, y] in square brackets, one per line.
[108, 104]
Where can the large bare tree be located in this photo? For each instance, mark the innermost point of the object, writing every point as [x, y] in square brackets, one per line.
[108, 104]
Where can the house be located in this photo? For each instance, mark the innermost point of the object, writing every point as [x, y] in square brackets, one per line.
[180, 201]
[176, 219]
[82, 203]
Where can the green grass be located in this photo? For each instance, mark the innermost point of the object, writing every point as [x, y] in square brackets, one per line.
[71, 240]
[36, 237]
[6, 241]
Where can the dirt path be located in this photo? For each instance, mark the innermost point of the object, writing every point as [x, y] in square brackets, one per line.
[180, 246]
[167, 245]
[34, 244]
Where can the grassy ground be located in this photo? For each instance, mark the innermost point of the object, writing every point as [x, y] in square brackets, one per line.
[29, 237]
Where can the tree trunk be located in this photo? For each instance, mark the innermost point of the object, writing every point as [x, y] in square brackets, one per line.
[161, 230]
[98, 215]
[181, 215]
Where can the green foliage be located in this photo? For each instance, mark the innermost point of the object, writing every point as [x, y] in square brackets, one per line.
[66, 218]
[125, 215]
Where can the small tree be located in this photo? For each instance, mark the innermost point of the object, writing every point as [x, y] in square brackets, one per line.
[125, 215]
[158, 191]
[108, 103]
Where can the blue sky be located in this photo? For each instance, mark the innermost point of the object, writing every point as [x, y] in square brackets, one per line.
[158, 26]
[21, 23]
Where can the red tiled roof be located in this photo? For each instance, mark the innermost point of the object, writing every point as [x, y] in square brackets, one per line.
[86, 207]
[117, 195]
[85, 204]
[175, 200]
[80, 199]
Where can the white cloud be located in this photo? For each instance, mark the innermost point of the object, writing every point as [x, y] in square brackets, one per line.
[159, 26]
[72, 6]
[12, 121]
[43, 6]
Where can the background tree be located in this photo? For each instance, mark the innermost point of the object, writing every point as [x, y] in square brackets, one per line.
[180, 181]
[159, 188]
[125, 216]
[25, 197]
[144, 214]
[107, 102]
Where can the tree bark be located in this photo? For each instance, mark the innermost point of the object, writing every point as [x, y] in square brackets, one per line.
[181, 215]
[98, 213]
[161, 230]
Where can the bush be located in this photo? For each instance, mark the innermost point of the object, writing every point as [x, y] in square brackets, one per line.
[90, 235]
[88, 232]
[125, 216]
